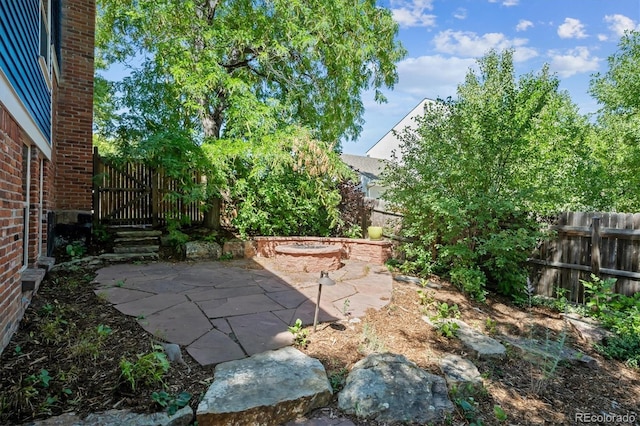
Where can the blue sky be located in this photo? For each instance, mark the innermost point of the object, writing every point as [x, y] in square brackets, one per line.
[445, 37]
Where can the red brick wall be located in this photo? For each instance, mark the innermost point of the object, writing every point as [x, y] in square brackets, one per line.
[67, 175]
[11, 227]
[73, 127]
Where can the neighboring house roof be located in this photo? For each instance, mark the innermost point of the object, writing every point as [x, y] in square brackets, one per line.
[367, 166]
[390, 142]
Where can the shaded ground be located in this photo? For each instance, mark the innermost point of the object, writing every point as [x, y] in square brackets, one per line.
[61, 335]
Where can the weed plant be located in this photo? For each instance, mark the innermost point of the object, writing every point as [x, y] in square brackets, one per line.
[552, 350]
[299, 334]
[147, 370]
[618, 313]
[371, 342]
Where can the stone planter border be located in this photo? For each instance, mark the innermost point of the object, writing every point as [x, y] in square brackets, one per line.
[375, 252]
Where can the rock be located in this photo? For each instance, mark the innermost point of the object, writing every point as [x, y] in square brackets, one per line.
[202, 250]
[482, 345]
[417, 281]
[459, 371]
[389, 388]
[539, 351]
[588, 329]
[239, 249]
[269, 388]
[182, 417]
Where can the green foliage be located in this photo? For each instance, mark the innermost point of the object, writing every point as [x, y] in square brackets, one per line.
[172, 403]
[490, 326]
[299, 334]
[226, 256]
[477, 169]
[448, 329]
[176, 238]
[625, 347]
[76, 250]
[337, 379]
[597, 293]
[617, 312]
[499, 413]
[147, 370]
[90, 342]
[100, 233]
[354, 231]
[233, 69]
[443, 319]
[614, 144]
[282, 184]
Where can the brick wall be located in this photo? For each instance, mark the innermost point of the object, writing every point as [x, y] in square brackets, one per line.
[11, 227]
[74, 104]
[66, 183]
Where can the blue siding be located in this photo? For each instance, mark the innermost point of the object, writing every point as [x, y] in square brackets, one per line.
[19, 50]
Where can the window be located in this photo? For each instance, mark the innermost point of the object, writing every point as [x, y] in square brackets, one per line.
[45, 40]
[56, 29]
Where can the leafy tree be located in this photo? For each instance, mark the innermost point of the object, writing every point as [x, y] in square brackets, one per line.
[616, 142]
[239, 65]
[206, 70]
[478, 167]
[282, 184]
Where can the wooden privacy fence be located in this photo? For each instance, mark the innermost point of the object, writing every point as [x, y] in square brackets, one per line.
[135, 194]
[382, 216]
[605, 244]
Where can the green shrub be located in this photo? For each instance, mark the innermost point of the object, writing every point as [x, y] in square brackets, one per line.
[147, 370]
[619, 313]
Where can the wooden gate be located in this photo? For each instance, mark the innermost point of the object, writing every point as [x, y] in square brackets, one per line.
[135, 194]
[605, 244]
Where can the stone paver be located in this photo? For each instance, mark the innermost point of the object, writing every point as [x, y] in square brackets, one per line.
[181, 324]
[260, 332]
[215, 347]
[223, 311]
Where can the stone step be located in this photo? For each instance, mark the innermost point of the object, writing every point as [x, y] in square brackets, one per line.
[135, 239]
[31, 278]
[137, 249]
[120, 257]
[138, 233]
[46, 263]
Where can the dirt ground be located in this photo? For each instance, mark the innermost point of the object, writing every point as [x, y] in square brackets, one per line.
[66, 357]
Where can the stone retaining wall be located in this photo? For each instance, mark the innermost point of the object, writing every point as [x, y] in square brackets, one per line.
[376, 252]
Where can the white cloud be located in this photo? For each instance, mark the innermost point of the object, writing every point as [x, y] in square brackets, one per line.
[620, 23]
[460, 13]
[575, 61]
[432, 76]
[506, 3]
[602, 37]
[412, 13]
[572, 28]
[524, 25]
[470, 44]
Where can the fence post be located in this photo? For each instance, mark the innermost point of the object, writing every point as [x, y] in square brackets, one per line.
[155, 196]
[595, 246]
[96, 187]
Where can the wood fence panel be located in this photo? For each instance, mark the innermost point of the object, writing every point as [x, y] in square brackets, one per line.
[134, 194]
[584, 244]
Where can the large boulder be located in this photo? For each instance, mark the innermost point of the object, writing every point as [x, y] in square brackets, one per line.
[389, 388]
[269, 388]
[202, 250]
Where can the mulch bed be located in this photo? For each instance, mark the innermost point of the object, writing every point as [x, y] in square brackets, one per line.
[66, 313]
